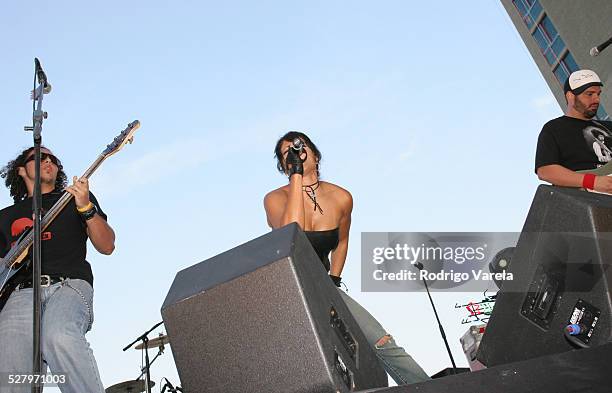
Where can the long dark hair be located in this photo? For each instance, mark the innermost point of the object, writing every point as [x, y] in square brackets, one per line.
[16, 184]
[289, 137]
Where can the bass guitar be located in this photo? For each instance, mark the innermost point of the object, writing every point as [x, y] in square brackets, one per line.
[14, 260]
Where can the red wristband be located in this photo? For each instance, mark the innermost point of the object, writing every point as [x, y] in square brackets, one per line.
[588, 181]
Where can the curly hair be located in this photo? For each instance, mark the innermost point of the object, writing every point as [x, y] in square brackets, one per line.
[289, 137]
[16, 184]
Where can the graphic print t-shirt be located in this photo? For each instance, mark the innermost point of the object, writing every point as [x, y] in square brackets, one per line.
[575, 144]
[64, 242]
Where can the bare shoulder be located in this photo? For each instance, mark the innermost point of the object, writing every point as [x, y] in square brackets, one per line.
[342, 196]
[276, 196]
[274, 205]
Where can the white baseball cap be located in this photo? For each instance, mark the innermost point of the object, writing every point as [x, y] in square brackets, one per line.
[581, 80]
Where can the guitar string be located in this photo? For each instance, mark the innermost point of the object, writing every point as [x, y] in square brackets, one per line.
[55, 210]
[66, 197]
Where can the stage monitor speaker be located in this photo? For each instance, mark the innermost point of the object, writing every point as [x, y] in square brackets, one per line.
[265, 317]
[561, 276]
[579, 371]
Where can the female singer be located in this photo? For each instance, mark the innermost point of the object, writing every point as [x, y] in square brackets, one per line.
[323, 211]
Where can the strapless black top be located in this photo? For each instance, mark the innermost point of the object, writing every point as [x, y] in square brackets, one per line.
[323, 242]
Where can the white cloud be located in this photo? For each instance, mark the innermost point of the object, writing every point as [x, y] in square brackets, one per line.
[546, 107]
[157, 165]
[314, 108]
[408, 151]
[544, 102]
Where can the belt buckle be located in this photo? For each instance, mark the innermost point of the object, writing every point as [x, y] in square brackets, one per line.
[46, 278]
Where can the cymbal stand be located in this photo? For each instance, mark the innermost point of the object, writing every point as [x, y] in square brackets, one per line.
[147, 366]
[159, 353]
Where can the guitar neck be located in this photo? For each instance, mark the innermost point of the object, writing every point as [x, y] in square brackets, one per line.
[126, 136]
[48, 218]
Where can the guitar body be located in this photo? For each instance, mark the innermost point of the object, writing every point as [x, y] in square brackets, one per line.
[5, 293]
[8, 271]
[6, 274]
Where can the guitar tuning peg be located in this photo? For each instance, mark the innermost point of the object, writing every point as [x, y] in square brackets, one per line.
[130, 140]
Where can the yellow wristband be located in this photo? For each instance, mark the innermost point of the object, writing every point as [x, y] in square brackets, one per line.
[86, 208]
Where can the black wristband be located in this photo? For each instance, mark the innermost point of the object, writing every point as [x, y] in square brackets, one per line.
[88, 214]
[337, 280]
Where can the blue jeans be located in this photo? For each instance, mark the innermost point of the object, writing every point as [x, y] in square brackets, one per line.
[67, 314]
[396, 362]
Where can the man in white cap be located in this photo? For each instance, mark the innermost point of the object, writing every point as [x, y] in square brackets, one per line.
[566, 144]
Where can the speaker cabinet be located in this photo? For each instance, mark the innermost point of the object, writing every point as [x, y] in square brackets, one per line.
[265, 317]
[580, 371]
[561, 276]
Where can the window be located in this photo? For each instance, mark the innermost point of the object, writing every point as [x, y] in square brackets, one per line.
[548, 28]
[549, 41]
[540, 38]
[570, 63]
[536, 9]
[566, 66]
[561, 74]
[520, 6]
[529, 10]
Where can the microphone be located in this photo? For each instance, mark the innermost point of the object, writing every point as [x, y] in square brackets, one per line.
[297, 145]
[597, 49]
[42, 77]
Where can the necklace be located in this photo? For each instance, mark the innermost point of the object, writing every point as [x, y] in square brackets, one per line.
[310, 191]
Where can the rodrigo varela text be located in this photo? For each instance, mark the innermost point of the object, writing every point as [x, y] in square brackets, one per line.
[451, 275]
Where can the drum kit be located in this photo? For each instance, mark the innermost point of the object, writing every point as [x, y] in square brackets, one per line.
[143, 383]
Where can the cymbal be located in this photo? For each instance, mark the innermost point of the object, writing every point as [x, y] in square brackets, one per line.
[154, 342]
[135, 386]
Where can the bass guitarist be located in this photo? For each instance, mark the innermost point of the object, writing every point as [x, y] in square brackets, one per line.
[67, 280]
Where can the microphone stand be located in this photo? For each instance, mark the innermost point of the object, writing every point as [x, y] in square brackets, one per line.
[146, 368]
[37, 119]
[419, 266]
[159, 353]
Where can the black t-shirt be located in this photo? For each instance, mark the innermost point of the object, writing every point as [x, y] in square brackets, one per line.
[64, 241]
[574, 144]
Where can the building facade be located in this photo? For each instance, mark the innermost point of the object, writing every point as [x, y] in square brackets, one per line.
[559, 35]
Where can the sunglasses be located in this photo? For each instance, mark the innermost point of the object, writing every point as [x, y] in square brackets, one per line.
[43, 157]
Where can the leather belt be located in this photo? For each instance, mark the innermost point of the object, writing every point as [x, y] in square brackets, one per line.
[45, 281]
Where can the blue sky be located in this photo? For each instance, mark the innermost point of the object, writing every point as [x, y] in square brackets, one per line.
[427, 113]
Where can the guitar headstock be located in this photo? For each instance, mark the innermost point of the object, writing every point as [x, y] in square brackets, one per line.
[126, 136]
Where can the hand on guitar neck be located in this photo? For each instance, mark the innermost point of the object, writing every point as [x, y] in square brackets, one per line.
[13, 260]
